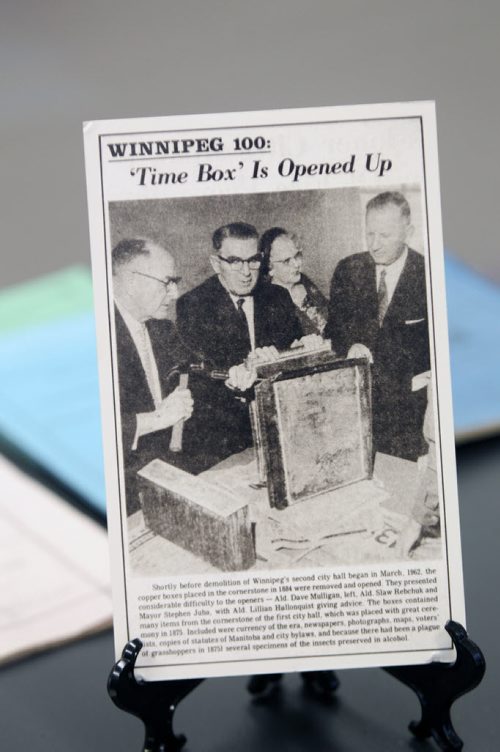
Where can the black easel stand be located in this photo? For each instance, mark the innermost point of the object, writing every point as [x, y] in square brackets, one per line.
[153, 702]
[323, 683]
[438, 685]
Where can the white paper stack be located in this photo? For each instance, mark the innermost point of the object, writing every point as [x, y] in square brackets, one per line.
[54, 571]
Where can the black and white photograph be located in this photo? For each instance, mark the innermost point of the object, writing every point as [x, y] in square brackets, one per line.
[301, 433]
[275, 386]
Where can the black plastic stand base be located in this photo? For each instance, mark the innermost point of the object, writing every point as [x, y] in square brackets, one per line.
[438, 685]
[322, 683]
[153, 702]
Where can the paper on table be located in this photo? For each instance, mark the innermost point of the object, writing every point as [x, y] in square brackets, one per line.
[53, 296]
[54, 571]
[49, 394]
[49, 401]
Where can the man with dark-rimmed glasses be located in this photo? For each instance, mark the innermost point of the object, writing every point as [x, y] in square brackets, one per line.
[229, 317]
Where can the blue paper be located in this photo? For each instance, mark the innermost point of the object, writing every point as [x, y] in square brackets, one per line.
[49, 401]
[474, 326]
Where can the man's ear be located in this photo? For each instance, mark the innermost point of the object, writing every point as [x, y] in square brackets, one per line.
[409, 232]
[215, 263]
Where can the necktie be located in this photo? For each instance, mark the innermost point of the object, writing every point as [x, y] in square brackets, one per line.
[243, 319]
[383, 298]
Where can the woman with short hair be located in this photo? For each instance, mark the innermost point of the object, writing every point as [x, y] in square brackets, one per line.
[282, 265]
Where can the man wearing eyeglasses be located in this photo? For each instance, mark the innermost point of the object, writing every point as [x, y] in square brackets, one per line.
[229, 317]
[145, 288]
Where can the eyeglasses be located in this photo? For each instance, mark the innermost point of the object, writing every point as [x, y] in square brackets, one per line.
[237, 264]
[168, 282]
[288, 261]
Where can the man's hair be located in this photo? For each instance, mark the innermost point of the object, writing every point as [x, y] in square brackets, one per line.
[240, 230]
[128, 249]
[266, 244]
[390, 197]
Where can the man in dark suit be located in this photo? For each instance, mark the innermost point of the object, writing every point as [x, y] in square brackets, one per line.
[378, 310]
[229, 317]
[144, 287]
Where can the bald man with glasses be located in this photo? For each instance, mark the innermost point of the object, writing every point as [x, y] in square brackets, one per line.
[230, 316]
[148, 347]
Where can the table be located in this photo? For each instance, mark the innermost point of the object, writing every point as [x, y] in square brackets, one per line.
[356, 524]
[57, 701]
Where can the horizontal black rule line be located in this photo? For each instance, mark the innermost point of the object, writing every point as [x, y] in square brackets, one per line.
[241, 153]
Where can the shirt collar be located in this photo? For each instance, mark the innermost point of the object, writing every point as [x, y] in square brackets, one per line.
[131, 323]
[244, 298]
[396, 267]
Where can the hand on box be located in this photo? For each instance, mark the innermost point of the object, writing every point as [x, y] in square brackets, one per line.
[241, 377]
[359, 350]
[262, 355]
[308, 342]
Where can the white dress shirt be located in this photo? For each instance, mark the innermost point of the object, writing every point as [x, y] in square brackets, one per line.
[142, 342]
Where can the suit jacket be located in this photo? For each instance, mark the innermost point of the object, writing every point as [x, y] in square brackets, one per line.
[211, 328]
[400, 347]
[135, 397]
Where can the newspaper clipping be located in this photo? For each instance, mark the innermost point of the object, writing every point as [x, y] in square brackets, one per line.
[278, 435]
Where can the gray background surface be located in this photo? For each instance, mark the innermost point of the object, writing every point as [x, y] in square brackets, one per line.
[62, 62]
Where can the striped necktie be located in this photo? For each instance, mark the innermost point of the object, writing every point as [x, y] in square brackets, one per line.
[383, 298]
